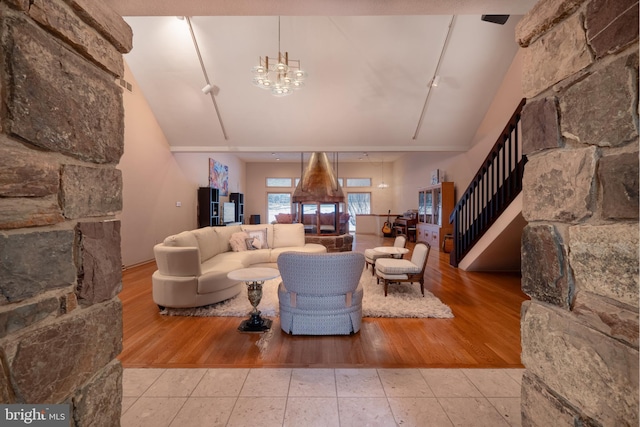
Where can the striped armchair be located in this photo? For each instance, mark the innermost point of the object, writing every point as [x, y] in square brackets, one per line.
[402, 270]
[320, 293]
[371, 255]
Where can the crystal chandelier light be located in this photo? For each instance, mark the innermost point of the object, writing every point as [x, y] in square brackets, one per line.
[281, 77]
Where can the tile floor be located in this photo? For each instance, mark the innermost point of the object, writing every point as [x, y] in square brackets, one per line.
[321, 397]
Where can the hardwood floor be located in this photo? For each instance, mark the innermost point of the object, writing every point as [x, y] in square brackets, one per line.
[485, 332]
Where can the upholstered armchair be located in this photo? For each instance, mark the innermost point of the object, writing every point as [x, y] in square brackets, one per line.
[320, 293]
[371, 255]
[391, 270]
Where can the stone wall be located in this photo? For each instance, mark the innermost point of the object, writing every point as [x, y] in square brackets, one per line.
[61, 137]
[340, 243]
[580, 197]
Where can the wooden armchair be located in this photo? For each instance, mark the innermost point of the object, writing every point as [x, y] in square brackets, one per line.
[392, 270]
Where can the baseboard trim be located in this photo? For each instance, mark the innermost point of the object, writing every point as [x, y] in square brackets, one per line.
[126, 267]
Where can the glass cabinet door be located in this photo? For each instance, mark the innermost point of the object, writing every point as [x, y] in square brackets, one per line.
[437, 210]
[429, 207]
[422, 207]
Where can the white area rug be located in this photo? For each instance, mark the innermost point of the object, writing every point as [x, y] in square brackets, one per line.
[403, 300]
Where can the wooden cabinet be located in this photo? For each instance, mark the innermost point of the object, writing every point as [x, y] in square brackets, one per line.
[208, 207]
[430, 234]
[435, 204]
[238, 199]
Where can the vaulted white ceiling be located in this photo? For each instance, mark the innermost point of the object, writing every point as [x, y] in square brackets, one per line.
[368, 74]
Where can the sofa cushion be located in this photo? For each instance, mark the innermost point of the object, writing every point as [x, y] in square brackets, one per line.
[238, 241]
[206, 238]
[223, 235]
[177, 261]
[260, 234]
[230, 261]
[397, 266]
[182, 240]
[253, 243]
[285, 235]
[268, 228]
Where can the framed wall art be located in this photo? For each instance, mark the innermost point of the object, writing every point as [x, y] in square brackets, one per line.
[435, 177]
[219, 177]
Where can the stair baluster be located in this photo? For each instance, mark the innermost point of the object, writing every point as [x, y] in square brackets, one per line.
[496, 184]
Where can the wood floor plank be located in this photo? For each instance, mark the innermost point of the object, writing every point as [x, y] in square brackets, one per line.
[485, 332]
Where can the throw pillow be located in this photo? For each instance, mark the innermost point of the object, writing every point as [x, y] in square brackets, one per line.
[253, 243]
[238, 241]
[284, 218]
[260, 235]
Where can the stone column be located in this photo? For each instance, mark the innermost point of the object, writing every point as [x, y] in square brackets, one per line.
[580, 198]
[61, 137]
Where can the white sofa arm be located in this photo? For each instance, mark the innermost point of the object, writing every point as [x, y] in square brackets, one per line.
[177, 261]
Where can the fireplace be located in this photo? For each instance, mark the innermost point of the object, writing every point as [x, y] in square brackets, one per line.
[318, 198]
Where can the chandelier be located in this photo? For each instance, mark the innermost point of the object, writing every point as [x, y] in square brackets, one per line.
[281, 77]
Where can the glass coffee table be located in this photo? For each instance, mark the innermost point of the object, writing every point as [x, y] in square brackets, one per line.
[254, 278]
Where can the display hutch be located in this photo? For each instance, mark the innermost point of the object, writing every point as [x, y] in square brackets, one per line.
[435, 204]
[208, 207]
[238, 199]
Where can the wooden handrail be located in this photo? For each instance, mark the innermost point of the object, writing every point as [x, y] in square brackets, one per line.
[495, 185]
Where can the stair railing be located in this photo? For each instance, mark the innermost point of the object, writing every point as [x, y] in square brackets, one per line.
[494, 187]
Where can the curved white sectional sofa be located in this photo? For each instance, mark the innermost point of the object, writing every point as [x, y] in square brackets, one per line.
[193, 265]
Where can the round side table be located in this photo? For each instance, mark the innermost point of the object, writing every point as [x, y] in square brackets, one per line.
[394, 251]
[254, 278]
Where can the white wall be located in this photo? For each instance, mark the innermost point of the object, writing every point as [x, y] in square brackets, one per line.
[415, 169]
[154, 180]
[195, 166]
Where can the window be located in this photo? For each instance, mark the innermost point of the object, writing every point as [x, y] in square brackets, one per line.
[278, 182]
[357, 203]
[358, 182]
[277, 203]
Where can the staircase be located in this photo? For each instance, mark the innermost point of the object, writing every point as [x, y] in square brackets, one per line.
[495, 186]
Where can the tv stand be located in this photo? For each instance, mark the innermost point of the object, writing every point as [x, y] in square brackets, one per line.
[208, 207]
[238, 199]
